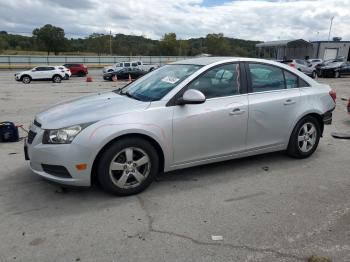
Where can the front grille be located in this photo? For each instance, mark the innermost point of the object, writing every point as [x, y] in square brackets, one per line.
[54, 170]
[31, 136]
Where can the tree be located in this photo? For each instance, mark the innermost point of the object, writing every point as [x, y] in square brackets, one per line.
[217, 44]
[97, 43]
[51, 38]
[169, 45]
[3, 44]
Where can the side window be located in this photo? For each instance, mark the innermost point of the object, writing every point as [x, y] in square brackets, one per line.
[291, 80]
[218, 82]
[127, 64]
[39, 68]
[139, 63]
[302, 83]
[134, 64]
[266, 77]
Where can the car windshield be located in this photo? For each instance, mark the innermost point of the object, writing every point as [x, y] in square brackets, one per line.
[156, 84]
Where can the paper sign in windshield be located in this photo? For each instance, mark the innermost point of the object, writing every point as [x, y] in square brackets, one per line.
[170, 79]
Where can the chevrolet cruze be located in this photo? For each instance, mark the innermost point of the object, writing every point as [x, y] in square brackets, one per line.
[183, 114]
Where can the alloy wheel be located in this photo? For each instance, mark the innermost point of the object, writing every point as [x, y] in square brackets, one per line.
[130, 167]
[307, 137]
[26, 80]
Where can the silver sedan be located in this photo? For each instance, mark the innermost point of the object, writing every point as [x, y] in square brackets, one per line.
[184, 114]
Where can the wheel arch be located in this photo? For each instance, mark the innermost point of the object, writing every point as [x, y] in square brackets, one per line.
[24, 76]
[151, 140]
[317, 115]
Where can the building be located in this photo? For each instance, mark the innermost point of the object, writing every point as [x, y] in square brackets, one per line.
[331, 49]
[301, 49]
[285, 49]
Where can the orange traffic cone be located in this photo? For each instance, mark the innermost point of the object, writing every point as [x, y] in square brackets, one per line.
[115, 78]
[130, 78]
[88, 79]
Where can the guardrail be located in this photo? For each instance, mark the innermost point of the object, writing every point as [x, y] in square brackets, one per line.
[23, 61]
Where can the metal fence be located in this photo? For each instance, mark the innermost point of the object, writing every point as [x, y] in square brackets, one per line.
[11, 61]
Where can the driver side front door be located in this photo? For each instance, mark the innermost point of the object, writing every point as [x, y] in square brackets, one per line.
[218, 127]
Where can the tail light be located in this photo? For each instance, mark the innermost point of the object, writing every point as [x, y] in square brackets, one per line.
[333, 94]
[291, 64]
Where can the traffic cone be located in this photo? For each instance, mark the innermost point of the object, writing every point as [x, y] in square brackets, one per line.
[115, 78]
[130, 78]
[88, 79]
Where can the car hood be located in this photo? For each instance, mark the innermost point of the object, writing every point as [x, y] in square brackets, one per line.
[88, 109]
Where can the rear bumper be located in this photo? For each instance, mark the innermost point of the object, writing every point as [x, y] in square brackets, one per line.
[327, 117]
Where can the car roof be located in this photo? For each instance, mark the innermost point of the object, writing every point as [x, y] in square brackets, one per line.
[204, 60]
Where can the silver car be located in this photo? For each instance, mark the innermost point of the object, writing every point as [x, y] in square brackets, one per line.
[184, 114]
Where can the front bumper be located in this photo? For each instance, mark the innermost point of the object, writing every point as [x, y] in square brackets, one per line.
[65, 156]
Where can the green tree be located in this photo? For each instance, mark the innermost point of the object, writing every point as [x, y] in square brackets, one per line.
[97, 43]
[217, 44]
[51, 38]
[169, 45]
[3, 44]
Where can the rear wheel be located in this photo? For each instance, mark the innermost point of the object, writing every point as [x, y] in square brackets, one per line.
[128, 166]
[26, 79]
[305, 138]
[56, 79]
[81, 74]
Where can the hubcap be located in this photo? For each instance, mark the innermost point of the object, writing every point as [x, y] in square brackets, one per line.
[129, 167]
[307, 137]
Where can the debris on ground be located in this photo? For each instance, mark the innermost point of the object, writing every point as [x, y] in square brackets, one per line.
[314, 258]
[217, 238]
[265, 168]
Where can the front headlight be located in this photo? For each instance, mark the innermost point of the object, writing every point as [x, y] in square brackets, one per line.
[63, 135]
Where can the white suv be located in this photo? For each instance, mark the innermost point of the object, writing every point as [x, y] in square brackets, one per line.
[41, 73]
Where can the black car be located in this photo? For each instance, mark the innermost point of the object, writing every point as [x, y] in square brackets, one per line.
[335, 69]
[124, 73]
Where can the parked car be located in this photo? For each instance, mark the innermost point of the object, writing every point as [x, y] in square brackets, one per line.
[124, 73]
[314, 62]
[336, 69]
[118, 66]
[327, 62]
[67, 72]
[187, 113]
[137, 64]
[77, 69]
[41, 73]
[302, 66]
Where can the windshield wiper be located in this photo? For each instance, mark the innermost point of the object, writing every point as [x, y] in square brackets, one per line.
[129, 95]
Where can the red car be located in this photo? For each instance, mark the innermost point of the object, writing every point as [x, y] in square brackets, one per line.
[77, 69]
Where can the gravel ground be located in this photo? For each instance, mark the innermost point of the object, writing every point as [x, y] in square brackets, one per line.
[266, 208]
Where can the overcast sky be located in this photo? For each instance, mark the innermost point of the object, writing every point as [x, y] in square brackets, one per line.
[254, 20]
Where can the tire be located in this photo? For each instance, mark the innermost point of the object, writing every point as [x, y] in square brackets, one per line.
[336, 74]
[81, 74]
[151, 69]
[26, 79]
[314, 74]
[303, 142]
[57, 79]
[118, 171]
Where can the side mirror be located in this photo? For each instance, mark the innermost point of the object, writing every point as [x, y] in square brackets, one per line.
[191, 96]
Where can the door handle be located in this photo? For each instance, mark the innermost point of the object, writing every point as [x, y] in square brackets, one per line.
[289, 102]
[236, 111]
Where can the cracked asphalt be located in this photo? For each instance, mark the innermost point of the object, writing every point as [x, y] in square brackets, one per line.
[266, 208]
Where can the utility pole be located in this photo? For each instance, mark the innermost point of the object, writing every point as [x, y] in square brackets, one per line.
[330, 28]
[110, 42]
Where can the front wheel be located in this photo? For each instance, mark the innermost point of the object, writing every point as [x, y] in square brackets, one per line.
[128, 166]
[26, 79]
[305, 138]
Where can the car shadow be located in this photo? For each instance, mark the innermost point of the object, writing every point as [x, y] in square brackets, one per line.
[26, 194]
